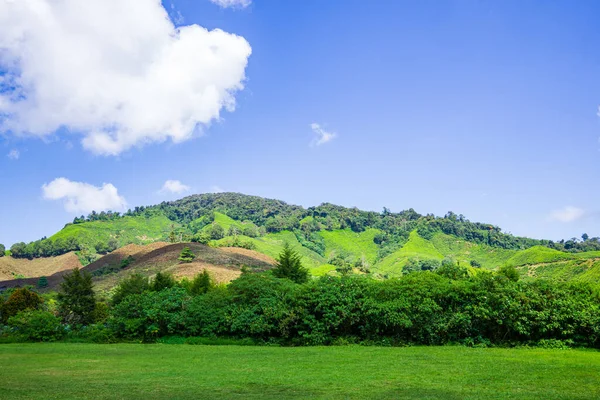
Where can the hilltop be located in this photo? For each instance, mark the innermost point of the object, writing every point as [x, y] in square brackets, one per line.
[330, 239]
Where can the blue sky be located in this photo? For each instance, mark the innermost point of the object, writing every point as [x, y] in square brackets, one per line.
[489, 109]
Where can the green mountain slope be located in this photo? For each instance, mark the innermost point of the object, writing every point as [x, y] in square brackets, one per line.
[346, 237]
[464, 251]
[416, 247]
[126, 230]
[354, 244]
[538, 255]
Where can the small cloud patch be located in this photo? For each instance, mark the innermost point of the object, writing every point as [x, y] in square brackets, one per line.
[567, 214]
[174, 186]
[232, 3]
[14, 154]
[322, 136]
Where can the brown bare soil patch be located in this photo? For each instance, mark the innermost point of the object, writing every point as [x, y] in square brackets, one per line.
[223, 264]
[10, 267]
[249, 253]
[218, 274]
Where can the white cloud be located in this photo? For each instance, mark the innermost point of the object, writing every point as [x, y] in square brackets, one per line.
[174, 186]
[80, 197]
[567, 214]
[14, 154]
[215, 189]
[117, 72]
[232, 3]
[322, 136]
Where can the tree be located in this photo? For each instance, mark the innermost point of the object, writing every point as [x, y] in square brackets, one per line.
[289, 266]
[510, 272]
[201, 284]
[186, 255]
[76, 300]
[201, 237]
[216, 232]
[162, 281]
[2, 250]
[42, 282]
[134, 284]
[20, 300]
[585, 237]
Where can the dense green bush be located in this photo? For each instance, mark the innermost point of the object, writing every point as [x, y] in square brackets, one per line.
[446, 306]
[20, 299]
[150, 315]
[134, 284]
[37, 325]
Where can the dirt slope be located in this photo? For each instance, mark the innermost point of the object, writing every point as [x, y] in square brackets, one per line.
[224, 264]
[10, 267]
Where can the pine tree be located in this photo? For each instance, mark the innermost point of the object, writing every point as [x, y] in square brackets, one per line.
[42, 282]
[186, 255]
[162, 281]
[289, 266]
[201, 284]
[76, 300]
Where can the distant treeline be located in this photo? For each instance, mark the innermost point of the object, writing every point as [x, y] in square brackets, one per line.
[274, 216]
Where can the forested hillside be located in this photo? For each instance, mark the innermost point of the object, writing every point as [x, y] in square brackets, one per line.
[330, 238]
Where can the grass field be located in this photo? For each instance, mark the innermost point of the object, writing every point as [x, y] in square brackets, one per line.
[78, 371]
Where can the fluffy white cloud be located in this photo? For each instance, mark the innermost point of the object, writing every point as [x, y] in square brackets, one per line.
[567, 214]
[322, 136]
[82, 197]
[14, 154]
[232, 3]
[117, 72]
[174, 186]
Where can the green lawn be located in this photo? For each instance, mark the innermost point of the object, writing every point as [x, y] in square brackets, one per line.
[77, 371]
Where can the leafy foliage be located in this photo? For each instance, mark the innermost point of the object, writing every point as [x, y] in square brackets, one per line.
[162, 281]
[37, 325]
[20, 299]
[76, 299]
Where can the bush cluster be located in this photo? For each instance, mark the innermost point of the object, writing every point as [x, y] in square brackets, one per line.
[431, 308]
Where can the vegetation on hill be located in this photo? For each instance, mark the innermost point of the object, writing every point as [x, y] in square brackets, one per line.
[329, 238]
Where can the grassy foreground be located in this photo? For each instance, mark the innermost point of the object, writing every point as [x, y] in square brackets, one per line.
[65, 371]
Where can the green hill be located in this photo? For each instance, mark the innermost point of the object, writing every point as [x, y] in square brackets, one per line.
[416, 247]
[538, 255]
[126, 230]
[354, 244]
[372, 242]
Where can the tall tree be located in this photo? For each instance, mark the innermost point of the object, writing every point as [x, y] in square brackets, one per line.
[162, 281]
[2, 250]
[76, 300]
[289, 266]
